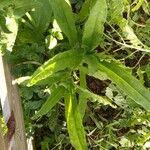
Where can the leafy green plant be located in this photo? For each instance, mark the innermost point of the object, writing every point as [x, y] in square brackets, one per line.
[75, 60]
[74, 42]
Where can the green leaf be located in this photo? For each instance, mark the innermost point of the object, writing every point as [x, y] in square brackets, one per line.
[129, 34]
[4, 3]
[126, 82]
[74, 123]
[56, 95]
[41, 16]
[85, 10]
[148, 71]
[115, 11]
[144, 138]
[23, 6]
[56, 78]
[3, 24]
[69, 59]
[94, 97]
[33, 105]
[94, 26]
[82, 99]
[138, 5]
[92, 62]
[64, 16]
[7, 40]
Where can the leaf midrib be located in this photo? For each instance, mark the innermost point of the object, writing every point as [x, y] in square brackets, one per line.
[138, 92]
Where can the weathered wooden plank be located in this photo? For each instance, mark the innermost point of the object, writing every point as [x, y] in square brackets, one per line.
[12, 109]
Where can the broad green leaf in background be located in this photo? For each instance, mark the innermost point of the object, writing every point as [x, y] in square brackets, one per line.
[41, 16]
[23, 6]
[7, 40]
[36, 21]
[69, 59]
[85, 10]
[64, 16]
[20, 7]
[126, 82]
[56, 95]
[4, 3]
[94, 27]
[74, 122]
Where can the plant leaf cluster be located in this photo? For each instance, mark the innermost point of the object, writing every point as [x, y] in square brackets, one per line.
[68, 44]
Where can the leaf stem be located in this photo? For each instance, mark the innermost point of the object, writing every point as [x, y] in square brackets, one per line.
[82, 99]
[126, 45]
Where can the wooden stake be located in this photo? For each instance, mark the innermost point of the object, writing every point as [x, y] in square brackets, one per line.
[12, 110]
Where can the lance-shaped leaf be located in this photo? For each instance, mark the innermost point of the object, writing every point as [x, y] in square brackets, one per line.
[57, 94]
[85, 10]
[4, 3]
[56, 78]
[126, 82]
[94, 26]
[74, 123]
[23, 6]
[41, 16]
[94, 97]
[64, 16]
[69, 59]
